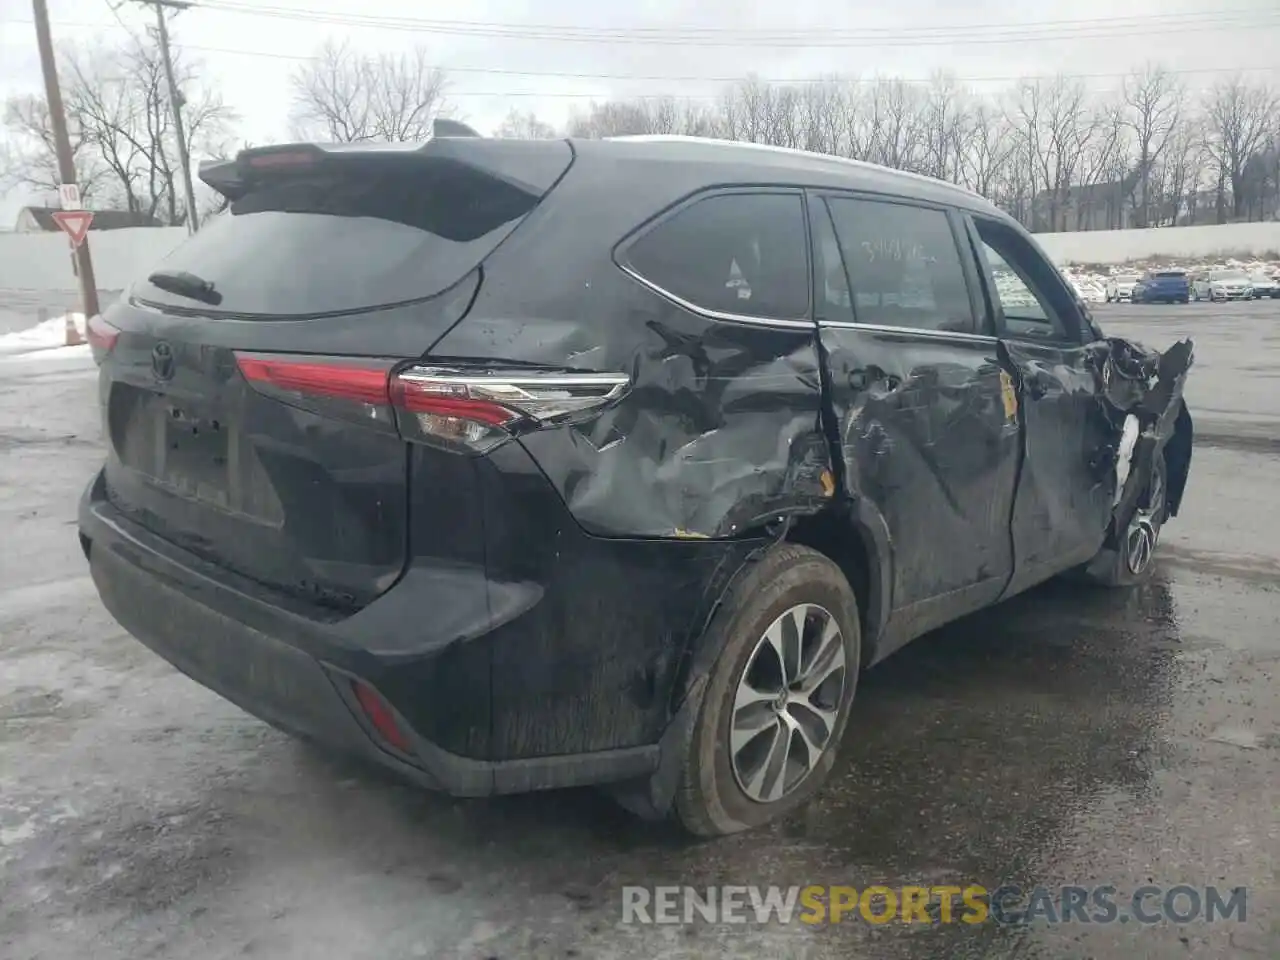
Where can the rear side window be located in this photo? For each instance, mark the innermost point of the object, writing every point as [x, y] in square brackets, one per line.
[360, 237]
[736, 253]
[903, 264]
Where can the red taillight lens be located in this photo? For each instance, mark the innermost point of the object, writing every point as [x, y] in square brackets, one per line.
[446, 414]
[380, 715]
[102, 337]
[461, 409]
[343, 388]
[343, 381]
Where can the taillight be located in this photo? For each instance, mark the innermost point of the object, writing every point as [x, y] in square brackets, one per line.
[479, 409]
[457, 408]
[102, 337]
[344, 389]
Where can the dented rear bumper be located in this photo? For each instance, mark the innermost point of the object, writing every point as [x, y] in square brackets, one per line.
[296, 672]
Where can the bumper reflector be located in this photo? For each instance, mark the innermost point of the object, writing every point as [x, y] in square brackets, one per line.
[380, 715]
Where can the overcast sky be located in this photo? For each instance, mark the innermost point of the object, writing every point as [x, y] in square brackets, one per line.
[250, 53]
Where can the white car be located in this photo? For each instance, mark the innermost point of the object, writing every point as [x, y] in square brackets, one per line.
[1265, 285]
[1121, 287]
[1223, 283]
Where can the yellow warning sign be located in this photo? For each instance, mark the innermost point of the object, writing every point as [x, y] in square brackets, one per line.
[1008, 395]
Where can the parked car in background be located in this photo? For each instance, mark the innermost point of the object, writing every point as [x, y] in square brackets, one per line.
[1162, 286]
[1121, 287]
[1264, 285]
[576, 466]
[1222, 283]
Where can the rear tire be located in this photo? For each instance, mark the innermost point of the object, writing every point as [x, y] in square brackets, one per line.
[1132, 561]
[729, 782]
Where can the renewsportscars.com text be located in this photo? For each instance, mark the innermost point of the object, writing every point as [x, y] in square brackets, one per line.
[971, 904]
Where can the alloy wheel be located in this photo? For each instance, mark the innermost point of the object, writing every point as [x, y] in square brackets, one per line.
[787, 702]
[1144, 529]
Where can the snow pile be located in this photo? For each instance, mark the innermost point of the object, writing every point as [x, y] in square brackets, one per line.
[1090, 280]
[78, 353]
[43, 336]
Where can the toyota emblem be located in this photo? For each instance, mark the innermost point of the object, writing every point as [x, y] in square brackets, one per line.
[162, 361]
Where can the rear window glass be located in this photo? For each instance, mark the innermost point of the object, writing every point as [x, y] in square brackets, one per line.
[332, 242]
[1171, 274]
[741, 253]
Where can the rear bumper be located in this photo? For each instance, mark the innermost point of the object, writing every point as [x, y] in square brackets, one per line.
[296, 672]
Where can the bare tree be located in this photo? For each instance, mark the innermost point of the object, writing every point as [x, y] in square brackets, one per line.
[1240, 117]
[894, 124]
[947, 121]
[1155, 100]
[345, 95]
[519, 125]
[661, 115]
[1052, 126]
[28, 158]
[988, 149]
[1099, 181]
[116, 100]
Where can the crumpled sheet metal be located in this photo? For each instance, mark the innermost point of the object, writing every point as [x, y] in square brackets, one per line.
[1141, 391]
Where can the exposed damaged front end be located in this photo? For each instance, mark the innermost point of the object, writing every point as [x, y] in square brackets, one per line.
[1140, 394]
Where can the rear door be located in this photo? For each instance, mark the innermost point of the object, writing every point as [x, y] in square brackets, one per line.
[916, 388]
[1063, 502]
[246, 395]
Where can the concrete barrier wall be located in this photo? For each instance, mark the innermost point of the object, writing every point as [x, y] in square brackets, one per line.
[1187, 243]
[42, 261]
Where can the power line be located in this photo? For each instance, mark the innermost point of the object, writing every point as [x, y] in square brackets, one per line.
[677, 78]
[769, 35]
[978, 34]
[974, 34]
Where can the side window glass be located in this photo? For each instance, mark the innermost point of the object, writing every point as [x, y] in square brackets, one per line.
[1033, 305]
[831, 286]
[740, 253]
[903, 265]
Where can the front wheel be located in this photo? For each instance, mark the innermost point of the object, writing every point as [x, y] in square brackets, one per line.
[778, 697]
[1131, 561]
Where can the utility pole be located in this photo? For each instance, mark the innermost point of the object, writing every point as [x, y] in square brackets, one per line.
[175, 104]
[62, 147]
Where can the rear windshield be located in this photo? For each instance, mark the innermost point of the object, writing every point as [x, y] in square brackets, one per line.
[366, 236]
[1172, 274]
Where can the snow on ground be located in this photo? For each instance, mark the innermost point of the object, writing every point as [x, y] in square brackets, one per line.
[41, 337]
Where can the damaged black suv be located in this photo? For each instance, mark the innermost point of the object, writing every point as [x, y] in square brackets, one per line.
[528, 464]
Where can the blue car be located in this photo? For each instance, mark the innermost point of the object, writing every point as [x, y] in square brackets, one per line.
[1162, 286]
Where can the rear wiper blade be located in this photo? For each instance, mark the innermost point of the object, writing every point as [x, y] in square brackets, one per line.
[186, 285]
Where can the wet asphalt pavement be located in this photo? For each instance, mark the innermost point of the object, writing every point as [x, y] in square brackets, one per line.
[1070, 736]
